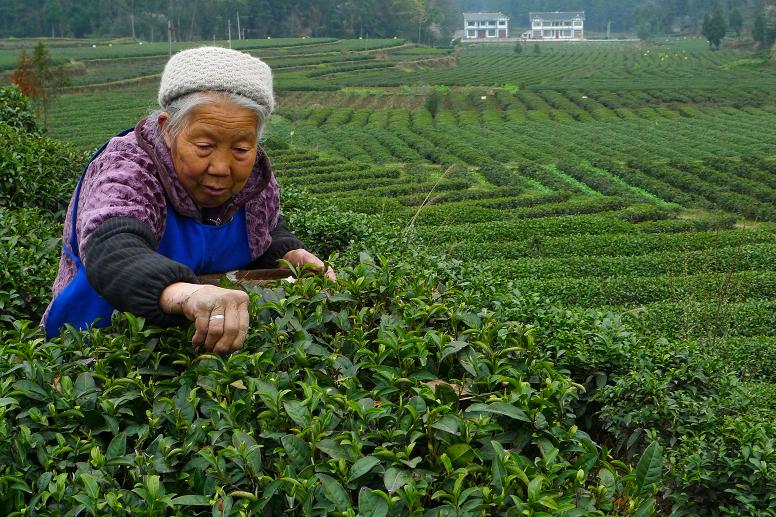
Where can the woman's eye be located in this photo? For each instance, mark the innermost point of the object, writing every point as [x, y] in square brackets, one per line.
[241, 149]
[203, 147]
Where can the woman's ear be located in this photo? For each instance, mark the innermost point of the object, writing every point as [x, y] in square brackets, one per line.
[162, 120]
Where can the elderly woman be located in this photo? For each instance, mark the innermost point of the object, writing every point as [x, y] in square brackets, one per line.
[187, 192]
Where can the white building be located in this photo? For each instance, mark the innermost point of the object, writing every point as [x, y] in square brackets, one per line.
[557, 25]
[485, 26]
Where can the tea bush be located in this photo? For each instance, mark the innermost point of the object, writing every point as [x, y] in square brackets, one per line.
[394, 393]
[720, 451]
[17, 110]
[36, 171]
[323, 227]
[31, 241]
[717, 432]
[720, 260]
[754, 358]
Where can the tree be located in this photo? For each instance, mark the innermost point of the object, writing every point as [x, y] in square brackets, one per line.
[714, 27]
[519, 48]
[648, 20]
[736, 21]
[24, 77]
[53, 16]
[38, 79]
[769, 15]
[758, 29]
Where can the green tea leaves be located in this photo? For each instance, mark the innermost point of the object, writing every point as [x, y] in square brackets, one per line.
[395, 479]
[362, 466]
[372, 503]
[297, 450]
[500, 408]
[191, 500]
[334, 492]
[298, 413]
[117, 446]
[649, 470]
[90, 486]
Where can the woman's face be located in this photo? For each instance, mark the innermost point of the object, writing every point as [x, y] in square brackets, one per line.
[215, 152]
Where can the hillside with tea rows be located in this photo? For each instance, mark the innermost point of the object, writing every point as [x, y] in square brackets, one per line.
[614, 200]
[656, 200]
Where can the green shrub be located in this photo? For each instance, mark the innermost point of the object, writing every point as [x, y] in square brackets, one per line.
[394, 394]
[16, 110]
[716, 433]
[31, 241]
[719, 450]
[324, 229]
[37, 171]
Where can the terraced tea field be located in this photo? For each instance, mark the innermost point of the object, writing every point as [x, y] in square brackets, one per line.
[638, 179]
[602, 175]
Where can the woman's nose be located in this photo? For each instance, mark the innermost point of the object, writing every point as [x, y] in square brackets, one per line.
[219, 166]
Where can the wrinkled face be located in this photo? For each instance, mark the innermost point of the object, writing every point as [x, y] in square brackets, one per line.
[215, 152]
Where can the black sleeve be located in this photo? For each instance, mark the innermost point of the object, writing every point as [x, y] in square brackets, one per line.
[283, 241]
[122, 265]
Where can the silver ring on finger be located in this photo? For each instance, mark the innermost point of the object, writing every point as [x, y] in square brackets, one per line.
[217, 317]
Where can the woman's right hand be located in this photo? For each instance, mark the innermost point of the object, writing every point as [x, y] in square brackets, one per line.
[220, 315]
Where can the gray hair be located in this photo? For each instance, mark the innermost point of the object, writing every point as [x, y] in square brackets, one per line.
[179, 111]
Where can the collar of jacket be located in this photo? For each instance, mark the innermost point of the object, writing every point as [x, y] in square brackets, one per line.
[151, 141]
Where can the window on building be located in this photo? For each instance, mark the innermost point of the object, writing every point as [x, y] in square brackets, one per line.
[502, 23]
[470, 24]
[577, 22]
[492, 32]
[472, 33]
[567, 24]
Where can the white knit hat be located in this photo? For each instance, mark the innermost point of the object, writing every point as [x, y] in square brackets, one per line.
[216, 69]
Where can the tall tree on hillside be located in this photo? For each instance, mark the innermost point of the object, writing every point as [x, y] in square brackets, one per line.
[714, 27]
[735, 21]
[648, 20]
[37, 78]
[24, 76]
[53, 15]
[449, 18]
[769, 15]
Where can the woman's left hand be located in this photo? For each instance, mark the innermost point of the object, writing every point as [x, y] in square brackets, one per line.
[301, 256]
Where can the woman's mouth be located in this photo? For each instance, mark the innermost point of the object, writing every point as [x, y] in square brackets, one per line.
[213, 191]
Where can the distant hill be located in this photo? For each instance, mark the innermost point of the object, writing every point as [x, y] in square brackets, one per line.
[427, 21]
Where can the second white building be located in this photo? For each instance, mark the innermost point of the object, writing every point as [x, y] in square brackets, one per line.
[557, 25]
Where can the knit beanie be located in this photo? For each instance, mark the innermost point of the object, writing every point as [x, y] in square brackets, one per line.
[216, 69]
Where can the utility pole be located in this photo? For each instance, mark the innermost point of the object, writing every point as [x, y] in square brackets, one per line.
[229, 30]
[131, 23]
[169, 34]
[239, 34]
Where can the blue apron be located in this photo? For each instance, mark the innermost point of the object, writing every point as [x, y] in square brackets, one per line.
[203, 248]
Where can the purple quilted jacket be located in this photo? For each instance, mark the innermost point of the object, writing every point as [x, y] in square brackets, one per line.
[134, 177]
